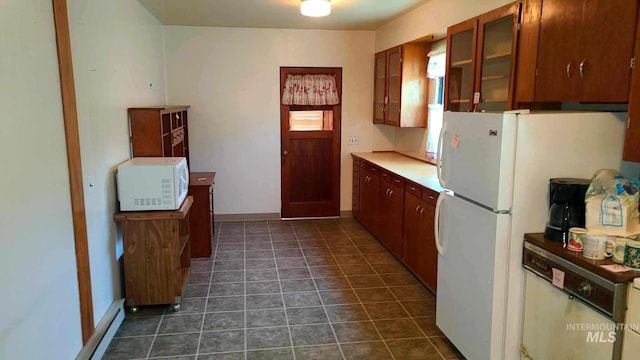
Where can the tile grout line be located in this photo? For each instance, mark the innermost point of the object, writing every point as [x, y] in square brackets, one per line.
[395, 297]
[284, 305]
[324, 308]
[153, 341]
[206, 302]
[354, 290]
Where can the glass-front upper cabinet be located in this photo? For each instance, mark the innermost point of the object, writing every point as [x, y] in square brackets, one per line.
[481, 59]
[380, 83]
[461, 44]
[496, 57]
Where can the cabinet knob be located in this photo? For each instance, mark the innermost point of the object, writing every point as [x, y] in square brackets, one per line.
[285, 153]
[421, 211]
[390, 193]
[412, 188]
[417, 209]
[569, 70]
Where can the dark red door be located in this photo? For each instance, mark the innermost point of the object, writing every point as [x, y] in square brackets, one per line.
[310, 166]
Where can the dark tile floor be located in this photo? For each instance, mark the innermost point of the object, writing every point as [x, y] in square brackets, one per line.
[312, 289]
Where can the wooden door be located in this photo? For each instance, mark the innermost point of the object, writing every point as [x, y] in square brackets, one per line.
[461, 50]
[310, 159]
[394, 84]
[497, 44]
[608, 34]
[380, 88]
[369, 180]
[558, 69]
[420, 253]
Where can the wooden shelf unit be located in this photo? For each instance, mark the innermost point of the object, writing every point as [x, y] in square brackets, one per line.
[159, 131]
[157, 255]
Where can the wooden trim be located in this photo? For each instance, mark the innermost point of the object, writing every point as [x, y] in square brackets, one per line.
[527, 53]
[70, 113]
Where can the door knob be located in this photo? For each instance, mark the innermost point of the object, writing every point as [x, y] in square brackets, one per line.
[285, 153]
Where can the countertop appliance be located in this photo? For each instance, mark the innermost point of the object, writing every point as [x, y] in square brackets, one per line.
[152, 183]
[580, 316]
[566, 209]
[495, 169]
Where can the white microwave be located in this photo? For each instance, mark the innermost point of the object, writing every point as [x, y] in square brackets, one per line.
[152, 183]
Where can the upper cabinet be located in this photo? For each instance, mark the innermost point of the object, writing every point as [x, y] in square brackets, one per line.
[480, 62]
[585, 50]
[461, 60]
[400, 86]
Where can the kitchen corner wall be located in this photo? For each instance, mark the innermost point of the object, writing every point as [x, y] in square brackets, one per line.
[118, 59]
[231, 79]
[40, 313]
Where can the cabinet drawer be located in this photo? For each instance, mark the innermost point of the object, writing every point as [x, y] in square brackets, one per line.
[385, 175]
[371, 168]
[429, 196]
[356, 171]
[397, 181]
[414, 189]
[356, 162]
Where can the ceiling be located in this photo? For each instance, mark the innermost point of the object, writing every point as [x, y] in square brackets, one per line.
[283, 14]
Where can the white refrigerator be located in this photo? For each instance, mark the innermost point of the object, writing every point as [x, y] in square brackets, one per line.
[495, 169]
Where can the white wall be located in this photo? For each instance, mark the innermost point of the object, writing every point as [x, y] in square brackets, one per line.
[40, 312]
[117, 51]
[431, 18]
[231, 78]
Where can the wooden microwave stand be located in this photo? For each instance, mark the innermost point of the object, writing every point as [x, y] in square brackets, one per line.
[201, 218]
[157, 255]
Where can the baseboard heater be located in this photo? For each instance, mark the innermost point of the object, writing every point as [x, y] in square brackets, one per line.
[98, 342]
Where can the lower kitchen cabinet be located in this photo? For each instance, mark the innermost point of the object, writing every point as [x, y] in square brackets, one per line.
[400, 214]
[369, 212]
[391, 204]
[420, 252]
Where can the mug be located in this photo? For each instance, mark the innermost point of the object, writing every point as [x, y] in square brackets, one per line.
[619, 246]
[576, 239]
[597, 247]
[632, 254]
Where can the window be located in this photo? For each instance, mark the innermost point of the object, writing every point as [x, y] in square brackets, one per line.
[314, 120]
[435, 73]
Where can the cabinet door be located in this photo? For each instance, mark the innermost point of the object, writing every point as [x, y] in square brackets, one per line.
[461, 49]
[391, 200]
[558, 73]
[608, 33]
[369, 198]
[632, 136]
[380, 88]
[394, 86]
[496, 54]
[420, 253]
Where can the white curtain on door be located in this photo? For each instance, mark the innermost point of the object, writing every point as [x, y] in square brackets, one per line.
[310, 89]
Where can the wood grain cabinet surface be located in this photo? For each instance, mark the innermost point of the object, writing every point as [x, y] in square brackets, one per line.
[157, 254]
[202, 215]
[400, 86]
[481, 61]
[160, 131]
[576, 51]
[420, 252]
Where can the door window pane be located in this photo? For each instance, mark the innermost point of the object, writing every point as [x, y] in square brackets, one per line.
[316, 120]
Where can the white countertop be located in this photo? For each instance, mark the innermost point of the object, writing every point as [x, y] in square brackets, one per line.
[419, 172]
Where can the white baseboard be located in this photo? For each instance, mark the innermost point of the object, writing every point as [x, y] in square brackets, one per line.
[98, 342]
[247, 217]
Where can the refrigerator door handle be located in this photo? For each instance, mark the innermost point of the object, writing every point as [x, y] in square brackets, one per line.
[436, 223]
[443, 130]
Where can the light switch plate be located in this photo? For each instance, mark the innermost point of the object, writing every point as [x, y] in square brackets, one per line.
[353, 140]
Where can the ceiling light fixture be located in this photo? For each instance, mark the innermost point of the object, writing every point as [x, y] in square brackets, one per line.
[315, 8]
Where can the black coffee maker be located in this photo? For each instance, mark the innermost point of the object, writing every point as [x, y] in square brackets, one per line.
[566, 207]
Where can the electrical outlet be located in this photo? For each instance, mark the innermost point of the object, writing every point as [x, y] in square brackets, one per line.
[353, 140]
